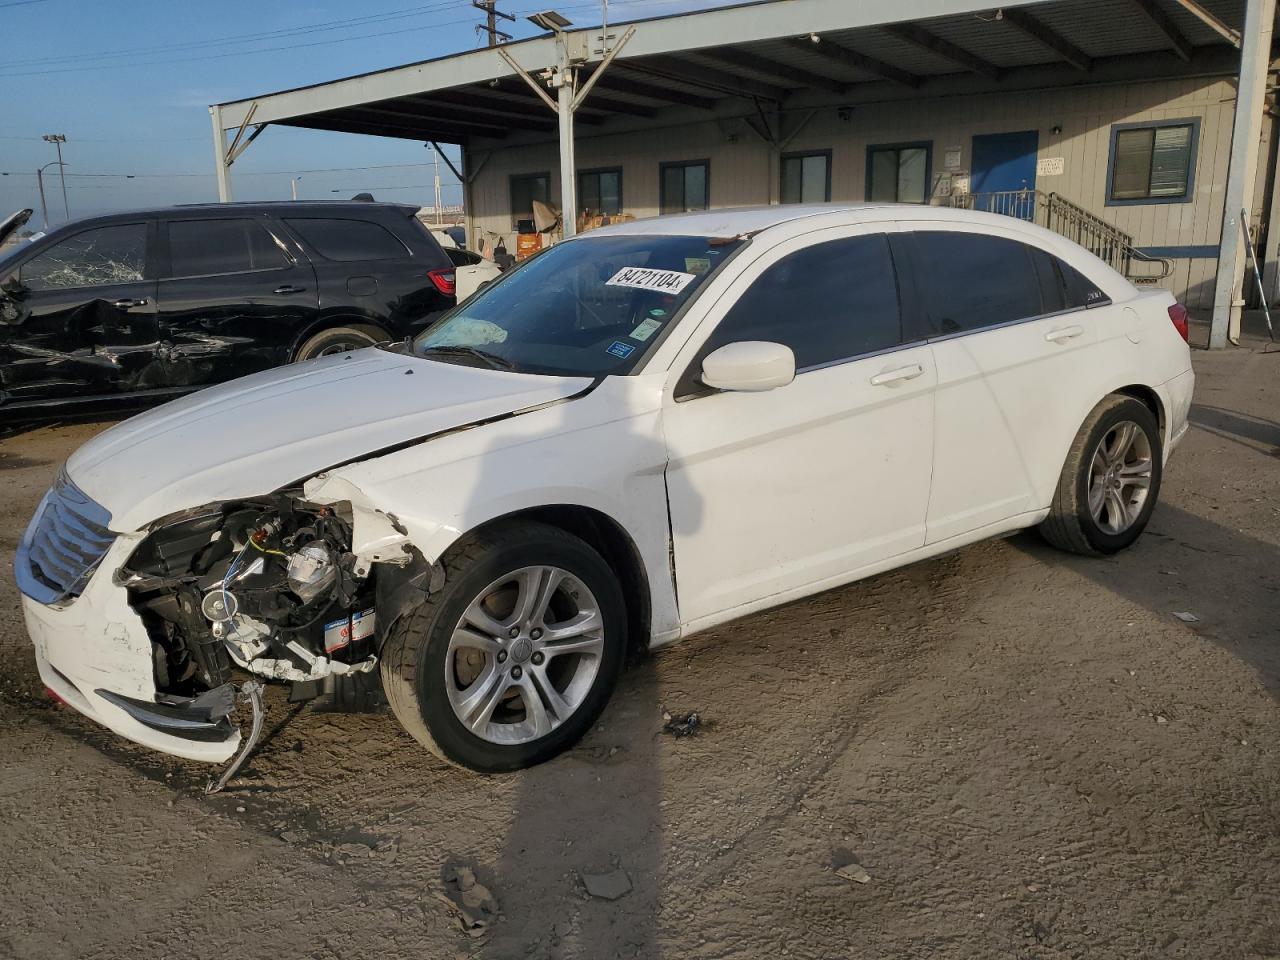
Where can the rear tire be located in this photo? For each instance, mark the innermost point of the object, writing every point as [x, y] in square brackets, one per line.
[354, 336]
[1110, 482]
[485, 686]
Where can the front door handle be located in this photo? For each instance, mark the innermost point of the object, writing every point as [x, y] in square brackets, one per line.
[290, 288]
[909, 372]
[126, 303]
[1063, 334]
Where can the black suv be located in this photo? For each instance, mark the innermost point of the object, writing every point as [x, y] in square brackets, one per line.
[138, 307]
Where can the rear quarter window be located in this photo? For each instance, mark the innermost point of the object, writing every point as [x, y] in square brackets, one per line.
[348, 240]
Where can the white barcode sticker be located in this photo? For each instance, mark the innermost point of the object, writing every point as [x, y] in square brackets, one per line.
[642, 278]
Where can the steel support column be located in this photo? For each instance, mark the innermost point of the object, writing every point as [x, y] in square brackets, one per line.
[220, 165]
[568, 167]
[1242, 171]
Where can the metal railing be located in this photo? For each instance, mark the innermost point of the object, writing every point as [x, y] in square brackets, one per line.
[1056, 213]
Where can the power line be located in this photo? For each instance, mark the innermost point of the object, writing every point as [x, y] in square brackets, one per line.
[275, 49]
[404, 12]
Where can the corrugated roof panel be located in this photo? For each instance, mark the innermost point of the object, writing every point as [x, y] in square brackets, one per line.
[1102, 28]
[870, 43]
[993, 40]
[1199, 33]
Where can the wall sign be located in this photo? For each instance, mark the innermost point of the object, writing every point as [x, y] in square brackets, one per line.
[952, 158]
[1051, 167]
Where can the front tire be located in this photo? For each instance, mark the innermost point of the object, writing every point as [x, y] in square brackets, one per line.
[514, 658]
[1110, 481]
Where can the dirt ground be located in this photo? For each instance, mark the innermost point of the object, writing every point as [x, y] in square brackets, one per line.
[1028, 753]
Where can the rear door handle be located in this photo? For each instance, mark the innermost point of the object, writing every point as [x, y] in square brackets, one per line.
[1063, 334]
[125, 303]
[909, 372]
[290, 288]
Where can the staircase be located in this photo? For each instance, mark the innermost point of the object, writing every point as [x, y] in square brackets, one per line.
[1074, 222]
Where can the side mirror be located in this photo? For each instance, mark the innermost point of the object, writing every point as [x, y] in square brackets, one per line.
[12, 287]
[749, 365]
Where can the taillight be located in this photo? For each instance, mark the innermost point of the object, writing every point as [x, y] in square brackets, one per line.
[445, 280]
[1178, 314]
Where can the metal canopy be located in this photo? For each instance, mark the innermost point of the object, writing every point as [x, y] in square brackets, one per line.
[763, 54]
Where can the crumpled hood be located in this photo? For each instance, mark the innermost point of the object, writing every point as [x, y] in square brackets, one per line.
[251, 436]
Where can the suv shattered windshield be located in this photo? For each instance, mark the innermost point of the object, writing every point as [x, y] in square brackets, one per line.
[590, 307]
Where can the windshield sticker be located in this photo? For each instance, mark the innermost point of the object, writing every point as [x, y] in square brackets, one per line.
[620, 349]
[697, 265]
[664, 281]
[646, 329]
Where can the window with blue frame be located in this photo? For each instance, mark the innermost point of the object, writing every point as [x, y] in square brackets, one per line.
[1152, 162]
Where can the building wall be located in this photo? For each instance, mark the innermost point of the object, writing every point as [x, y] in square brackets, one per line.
[743, 169]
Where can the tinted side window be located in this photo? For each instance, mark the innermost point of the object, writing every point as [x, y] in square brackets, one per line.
[345, 240]
[975, 281]
[1054, 294]
[200, 248]
[1084, 292]
[114, 254]
[463, 258]
[831, 301]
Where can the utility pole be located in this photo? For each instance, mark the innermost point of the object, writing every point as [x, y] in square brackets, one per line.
[490, 26]
[58, 139]
[435, 159]
[293, 185]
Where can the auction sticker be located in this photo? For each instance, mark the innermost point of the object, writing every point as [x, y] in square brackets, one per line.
[645, 329]
[620, 349]
[642, 278]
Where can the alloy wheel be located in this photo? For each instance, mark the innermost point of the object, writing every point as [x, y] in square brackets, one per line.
[1120, 477]
[524, 655]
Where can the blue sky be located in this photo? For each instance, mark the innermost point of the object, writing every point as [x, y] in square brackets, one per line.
[129, 82]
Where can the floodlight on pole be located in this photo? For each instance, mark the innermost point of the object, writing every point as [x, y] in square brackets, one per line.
[550, 20]
[58, 139]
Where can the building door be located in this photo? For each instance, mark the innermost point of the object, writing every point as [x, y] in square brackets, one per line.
[1003, 178]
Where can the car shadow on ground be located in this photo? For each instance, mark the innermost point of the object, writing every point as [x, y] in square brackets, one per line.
[1241, 589]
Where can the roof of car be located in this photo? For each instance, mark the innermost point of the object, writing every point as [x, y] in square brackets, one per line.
[740, 221]
[251, 207]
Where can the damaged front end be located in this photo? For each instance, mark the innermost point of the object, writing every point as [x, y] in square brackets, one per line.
[269, 586]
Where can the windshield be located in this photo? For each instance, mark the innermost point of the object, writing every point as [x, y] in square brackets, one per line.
[589, 307]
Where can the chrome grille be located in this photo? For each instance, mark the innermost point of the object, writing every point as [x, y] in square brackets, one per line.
[66, 540]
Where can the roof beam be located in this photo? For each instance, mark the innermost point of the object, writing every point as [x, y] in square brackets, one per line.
[499, 105]
[920, 37]
[696, 75]
[435, 131]
[465, 116]
[1164, 23]
[599, 105]
[859, 61]
[1222, 29]
[773, 69]
[1042, 33]
[620, 82]
[492, 110]
[427, 121]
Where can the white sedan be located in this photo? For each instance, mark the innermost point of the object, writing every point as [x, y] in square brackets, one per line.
[641, 433]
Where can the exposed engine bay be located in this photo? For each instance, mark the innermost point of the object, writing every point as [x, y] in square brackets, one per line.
[269, 586]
